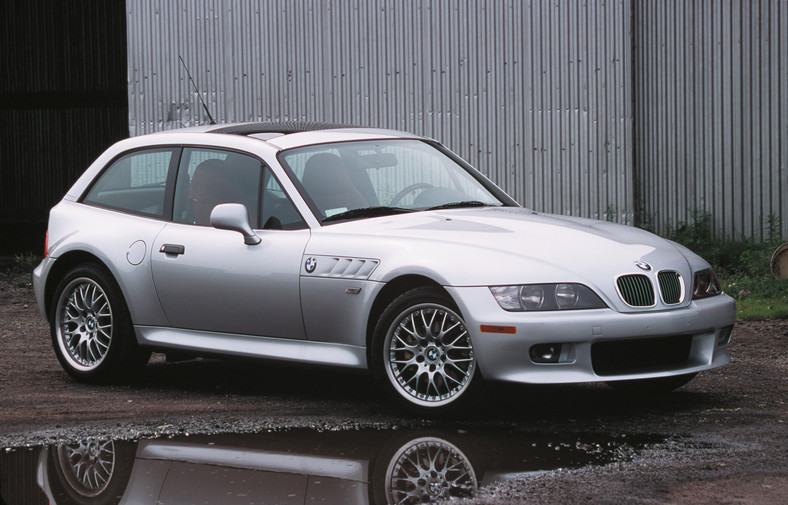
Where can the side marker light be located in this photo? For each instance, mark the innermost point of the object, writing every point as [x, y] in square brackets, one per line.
[491, 328]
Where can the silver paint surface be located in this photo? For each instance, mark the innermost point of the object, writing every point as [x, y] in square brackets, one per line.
[224, 296]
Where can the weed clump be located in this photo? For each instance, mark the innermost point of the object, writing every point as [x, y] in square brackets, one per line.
[743, 266]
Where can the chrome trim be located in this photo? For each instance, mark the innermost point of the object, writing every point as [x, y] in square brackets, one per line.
[683, 294]
[340, 267]
[638, 307]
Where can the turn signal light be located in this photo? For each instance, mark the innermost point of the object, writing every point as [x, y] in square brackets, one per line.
[491, 328]
[705, 284]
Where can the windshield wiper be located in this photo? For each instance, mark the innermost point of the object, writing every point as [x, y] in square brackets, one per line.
[367, 212]
[466, 203]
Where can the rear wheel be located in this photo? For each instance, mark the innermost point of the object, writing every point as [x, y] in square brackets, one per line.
[91, 472]
[91, 327]
[423, 350]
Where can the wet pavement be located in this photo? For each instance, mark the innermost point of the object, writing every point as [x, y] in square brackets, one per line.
[721, 439]
[365, 466]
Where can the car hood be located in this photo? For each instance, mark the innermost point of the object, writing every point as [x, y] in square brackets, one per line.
[504, 245]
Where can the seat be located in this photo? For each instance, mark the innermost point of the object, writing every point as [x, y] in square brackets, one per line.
[327, 181]
[212, 184]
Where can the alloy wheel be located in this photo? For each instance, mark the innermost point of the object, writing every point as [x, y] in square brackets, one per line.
[429, 355]
[84, 323]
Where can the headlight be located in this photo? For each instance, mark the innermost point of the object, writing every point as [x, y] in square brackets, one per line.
[705, 284]
[531, 297]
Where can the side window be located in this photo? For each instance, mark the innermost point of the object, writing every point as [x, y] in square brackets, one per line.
[278, 211]
[209, 177]
[135, 183]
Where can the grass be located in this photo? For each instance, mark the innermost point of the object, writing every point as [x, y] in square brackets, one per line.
[758, 309]
[743, 266]
[19, 271]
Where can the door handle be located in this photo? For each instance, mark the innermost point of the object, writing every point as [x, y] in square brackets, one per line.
[175, 249]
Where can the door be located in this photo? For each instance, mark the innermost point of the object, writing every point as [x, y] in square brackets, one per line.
[209, 279]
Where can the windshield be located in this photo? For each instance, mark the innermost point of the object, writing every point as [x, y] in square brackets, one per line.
[355, 180]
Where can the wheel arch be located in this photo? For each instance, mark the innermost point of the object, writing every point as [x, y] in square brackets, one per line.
[394, 288]
[61, 267]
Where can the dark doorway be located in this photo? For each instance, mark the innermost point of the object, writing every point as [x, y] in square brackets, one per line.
[63, 100]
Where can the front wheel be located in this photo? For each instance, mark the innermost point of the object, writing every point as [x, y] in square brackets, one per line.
[423, 349]
[91, 327]
[423, 469]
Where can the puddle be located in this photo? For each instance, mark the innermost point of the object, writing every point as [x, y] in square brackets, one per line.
[298, 466]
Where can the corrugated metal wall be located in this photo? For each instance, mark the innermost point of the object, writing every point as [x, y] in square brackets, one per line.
[18, 469]
[63, 99]
[536, 94]
[711, 88]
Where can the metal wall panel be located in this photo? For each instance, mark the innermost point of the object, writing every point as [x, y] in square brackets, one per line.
[537, 94]
[711, 109]
[63, 100]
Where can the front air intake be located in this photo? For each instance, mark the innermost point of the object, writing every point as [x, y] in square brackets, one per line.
[643, 355]
[670, 287]
[636, 290]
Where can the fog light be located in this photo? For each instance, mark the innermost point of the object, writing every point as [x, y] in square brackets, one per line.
[545, 353]
[724, 337]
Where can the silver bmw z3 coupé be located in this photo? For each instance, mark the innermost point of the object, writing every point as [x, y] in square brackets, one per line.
[361, 248]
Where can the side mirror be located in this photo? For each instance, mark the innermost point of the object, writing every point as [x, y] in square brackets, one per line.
[233, 216]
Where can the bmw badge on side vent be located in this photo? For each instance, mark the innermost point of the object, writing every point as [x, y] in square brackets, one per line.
[310, 265]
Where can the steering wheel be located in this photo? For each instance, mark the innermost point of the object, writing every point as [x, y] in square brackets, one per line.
[413, 187]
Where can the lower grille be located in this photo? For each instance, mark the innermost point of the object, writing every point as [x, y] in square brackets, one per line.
[620, 357]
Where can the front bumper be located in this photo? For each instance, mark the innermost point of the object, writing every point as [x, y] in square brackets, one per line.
[505, 357]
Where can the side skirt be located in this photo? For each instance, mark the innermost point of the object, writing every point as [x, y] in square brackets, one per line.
[299, 351]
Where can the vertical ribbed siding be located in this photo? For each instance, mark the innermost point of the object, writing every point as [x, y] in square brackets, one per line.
[536, 94]
[63, 98]
[18, 470]
[711, 108]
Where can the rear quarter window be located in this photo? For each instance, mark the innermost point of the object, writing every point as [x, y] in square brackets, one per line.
[134, 183]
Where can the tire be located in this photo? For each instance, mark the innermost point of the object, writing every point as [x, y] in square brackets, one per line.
[91, 327]
[92, 472]
[660, 385]
[422, 469]
[423, 352]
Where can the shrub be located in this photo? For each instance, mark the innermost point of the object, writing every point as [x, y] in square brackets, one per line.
[743, 266]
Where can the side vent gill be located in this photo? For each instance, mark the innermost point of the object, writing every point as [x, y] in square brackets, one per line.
[344, 268]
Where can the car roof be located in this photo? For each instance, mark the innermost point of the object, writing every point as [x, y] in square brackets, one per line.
[278, 136]
[286, 134]
[248, 128]
[283, 127]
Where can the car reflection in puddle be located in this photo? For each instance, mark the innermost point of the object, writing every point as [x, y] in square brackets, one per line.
[298, 466]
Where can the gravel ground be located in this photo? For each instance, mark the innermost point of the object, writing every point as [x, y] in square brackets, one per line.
[725, 431]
